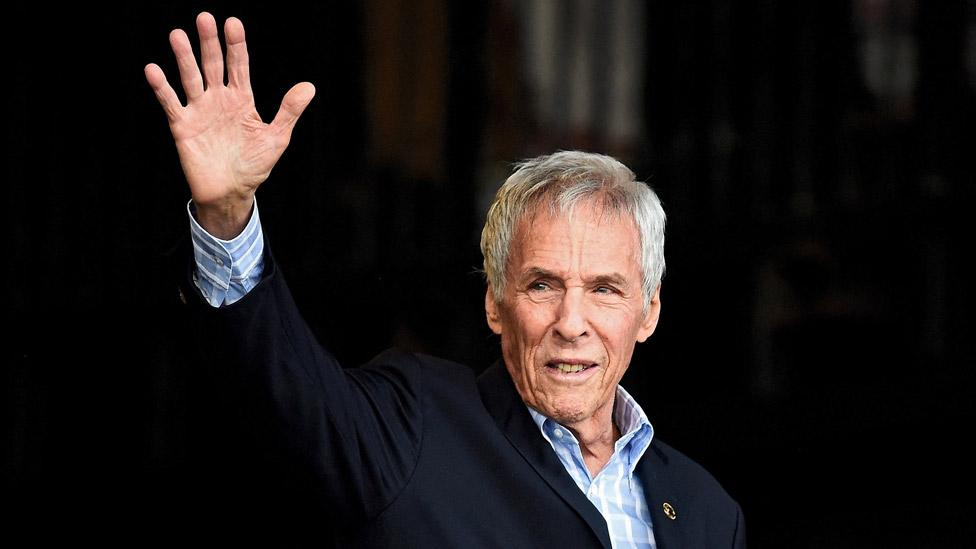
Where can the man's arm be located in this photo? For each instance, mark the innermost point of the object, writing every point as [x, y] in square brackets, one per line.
[355, 433]
[740, 528]
[353, 436]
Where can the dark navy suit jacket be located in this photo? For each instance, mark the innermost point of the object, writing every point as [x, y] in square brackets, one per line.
[415, 451]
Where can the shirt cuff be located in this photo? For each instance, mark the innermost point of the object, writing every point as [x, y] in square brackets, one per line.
[226, 269]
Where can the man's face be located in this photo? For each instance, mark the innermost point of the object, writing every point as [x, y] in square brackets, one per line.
[572, 311]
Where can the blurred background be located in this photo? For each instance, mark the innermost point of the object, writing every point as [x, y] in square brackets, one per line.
[816, 345]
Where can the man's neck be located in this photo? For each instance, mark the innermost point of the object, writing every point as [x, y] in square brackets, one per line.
[597, 437]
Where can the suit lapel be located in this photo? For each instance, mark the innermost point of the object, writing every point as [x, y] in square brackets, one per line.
[660, 495]
[505, 405]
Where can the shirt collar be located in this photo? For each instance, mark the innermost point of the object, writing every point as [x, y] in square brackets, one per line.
[636, 431]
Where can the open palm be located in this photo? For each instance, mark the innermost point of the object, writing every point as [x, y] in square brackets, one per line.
[226, 150]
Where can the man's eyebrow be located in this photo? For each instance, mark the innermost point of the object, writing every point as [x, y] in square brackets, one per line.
[537, 272]
[614, 279]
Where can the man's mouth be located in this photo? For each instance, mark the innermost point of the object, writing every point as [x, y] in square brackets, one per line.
[570, 367]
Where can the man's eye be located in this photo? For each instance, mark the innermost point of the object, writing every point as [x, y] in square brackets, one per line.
[606, 290]
[539, 286]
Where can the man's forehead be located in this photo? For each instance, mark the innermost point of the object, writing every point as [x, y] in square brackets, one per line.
[537, 233]
[542, 219]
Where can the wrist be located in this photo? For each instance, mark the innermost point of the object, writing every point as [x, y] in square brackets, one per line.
[226, 219]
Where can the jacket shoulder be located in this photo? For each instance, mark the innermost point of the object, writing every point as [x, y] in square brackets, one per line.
[682, 471]
[428, 374]
[688, 502]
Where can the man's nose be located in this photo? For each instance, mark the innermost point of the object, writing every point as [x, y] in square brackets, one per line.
[571, 321]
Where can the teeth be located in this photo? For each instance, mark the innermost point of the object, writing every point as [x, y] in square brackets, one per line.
[569, 368]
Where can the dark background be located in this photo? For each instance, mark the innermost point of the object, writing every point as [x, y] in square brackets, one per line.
[815, 346]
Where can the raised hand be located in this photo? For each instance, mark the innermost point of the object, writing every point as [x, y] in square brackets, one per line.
[226, 150]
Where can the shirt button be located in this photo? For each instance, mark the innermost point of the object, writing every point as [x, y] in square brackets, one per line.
[558, 433]
[219, 261]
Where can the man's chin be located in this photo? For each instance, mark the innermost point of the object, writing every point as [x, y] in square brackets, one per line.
[566, 413]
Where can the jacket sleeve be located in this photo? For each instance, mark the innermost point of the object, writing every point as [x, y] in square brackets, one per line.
[354, 433]
[740, 529]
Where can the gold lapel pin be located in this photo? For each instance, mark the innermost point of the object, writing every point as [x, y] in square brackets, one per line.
[669, 511]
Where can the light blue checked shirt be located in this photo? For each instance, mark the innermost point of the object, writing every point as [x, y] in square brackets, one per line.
[228, 269]
[615, 491]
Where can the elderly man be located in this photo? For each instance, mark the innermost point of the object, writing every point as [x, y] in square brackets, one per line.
[545, 449]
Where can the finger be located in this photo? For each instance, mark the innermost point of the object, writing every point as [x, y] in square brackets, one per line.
[164, 92]
[210, 54]
[189, 72]
[292, 106]
[238, 68]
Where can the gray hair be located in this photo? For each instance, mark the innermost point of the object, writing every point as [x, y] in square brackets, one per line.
[560, 181]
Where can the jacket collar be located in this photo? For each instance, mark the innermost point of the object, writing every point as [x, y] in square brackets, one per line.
[661, 494]
[503, 402]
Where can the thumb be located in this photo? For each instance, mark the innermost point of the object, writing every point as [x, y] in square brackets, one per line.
[292, 106]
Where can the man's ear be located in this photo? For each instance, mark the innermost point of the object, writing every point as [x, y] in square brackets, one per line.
[491, 312]
[649, 324]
